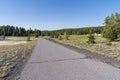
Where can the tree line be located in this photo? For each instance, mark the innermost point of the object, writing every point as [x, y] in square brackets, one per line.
[111, 30]
[74, 31]
[112, 27]
[7, 30]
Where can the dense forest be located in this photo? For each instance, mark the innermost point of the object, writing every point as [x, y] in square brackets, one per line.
[8, 30]
[74, 31]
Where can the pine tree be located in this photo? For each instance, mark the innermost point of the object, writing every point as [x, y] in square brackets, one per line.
[4, 34]
[60, 37]
[52, 35]
[66, 36]
[91, 38]
[56, 35]
[28, 36]
[110, 32]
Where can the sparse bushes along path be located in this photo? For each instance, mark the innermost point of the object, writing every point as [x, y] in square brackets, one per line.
[79, 41]
[13, 59]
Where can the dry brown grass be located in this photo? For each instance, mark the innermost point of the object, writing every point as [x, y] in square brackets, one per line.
[14, 56]
[100, 47]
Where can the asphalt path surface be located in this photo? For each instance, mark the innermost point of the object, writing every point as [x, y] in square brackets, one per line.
[51, 61]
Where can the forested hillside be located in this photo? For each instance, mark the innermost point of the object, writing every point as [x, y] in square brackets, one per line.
[75, 31]
[8, 30]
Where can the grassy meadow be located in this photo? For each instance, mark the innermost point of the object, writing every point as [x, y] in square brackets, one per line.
[83, 39]
[14, 57]
[99, 47]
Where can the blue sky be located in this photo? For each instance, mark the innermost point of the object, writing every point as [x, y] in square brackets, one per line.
[56, 14]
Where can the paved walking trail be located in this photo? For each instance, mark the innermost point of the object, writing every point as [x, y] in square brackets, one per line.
[51, 61]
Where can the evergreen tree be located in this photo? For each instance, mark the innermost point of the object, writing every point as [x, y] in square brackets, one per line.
[112, 27]
[91, 38]
[52, 35]
[56, 35]
[66, 36]
[110, 32]
[28, 36]
[60, 37]
[4, 34]
[36, 34]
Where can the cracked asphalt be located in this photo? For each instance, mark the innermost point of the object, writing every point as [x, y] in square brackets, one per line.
[51, 61]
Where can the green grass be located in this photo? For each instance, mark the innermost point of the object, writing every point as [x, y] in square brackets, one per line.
[83, 38]
[100, 47]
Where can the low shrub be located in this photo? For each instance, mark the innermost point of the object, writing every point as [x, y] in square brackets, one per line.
[36, 35]
[60, 37]
[109, 43]
[67, 37]
[28, 38]
[91, 38]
